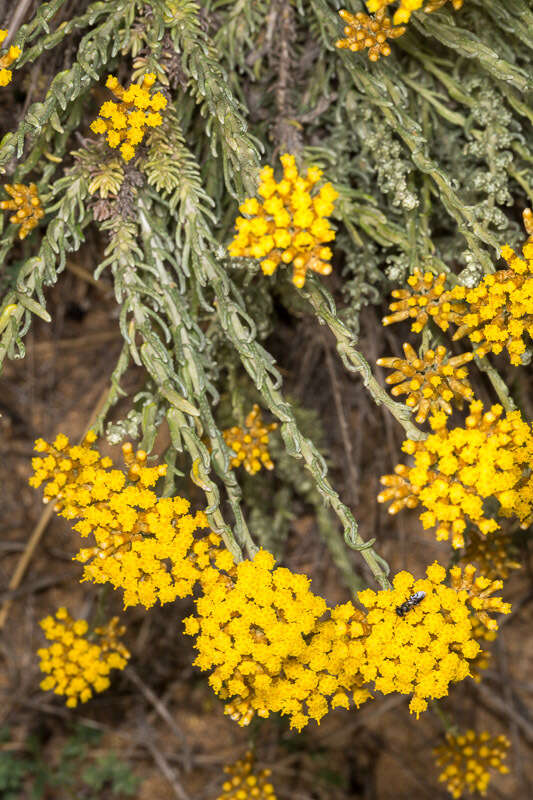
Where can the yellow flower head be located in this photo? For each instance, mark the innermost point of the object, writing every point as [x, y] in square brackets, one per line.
[26, 204]
[144, 544]
[455, 471]
[125, 122]
[420, 637]
[243, 783]
[6, 60]
[468, 760]
[250, 443]
[498, 313]
[289, 224]
[371, 33]
[434, 5]
[431, 383]
[78, 663]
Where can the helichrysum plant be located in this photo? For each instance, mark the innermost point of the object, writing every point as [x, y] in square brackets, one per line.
[77, 664]
[406, 156]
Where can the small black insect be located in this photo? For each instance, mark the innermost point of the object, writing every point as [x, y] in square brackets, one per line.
[410, 603]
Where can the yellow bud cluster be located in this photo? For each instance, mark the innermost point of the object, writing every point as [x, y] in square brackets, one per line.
[125, 122]
[6, 60]
[26, 204]
[78, 663]
[456, 470]
[288, 225]
[250, 443]
[427, 298]
[494, 554]
[499, 311]
[143, 544]
[242, 783]
[468, 760]
[432, 383]
[423, 651]
[370, 33]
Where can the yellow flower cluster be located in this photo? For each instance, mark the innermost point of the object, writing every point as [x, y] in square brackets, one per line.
[468, 760]
[262, 634]
[126, 121]
[6, 60]
[274, 646]
[495, 315]
[371, 33]
[426, 298]
[423, 651]
[500, 310]
[288, 225]
[431, 382]
[250, 443]
[243, 784]
[143, 544]
[494, 554]
[77, 664]
[456, 470]
[26, 204]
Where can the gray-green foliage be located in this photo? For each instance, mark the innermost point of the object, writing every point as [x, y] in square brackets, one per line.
[429, 149]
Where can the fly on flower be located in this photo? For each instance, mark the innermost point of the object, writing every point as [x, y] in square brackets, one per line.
[410, 603]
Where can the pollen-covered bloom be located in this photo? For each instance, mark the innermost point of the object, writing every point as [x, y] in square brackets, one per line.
[468, 760]
[143, 544]
[498, 313]
[244, 783]
[370, 33]
[78, 662]
[250, 443]
[431, 383]
[125, 123]
[26, 204]
[426, 298]
[455, 471]
[421, 652]
[288, 224]
[6, 60]
[272, 646]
